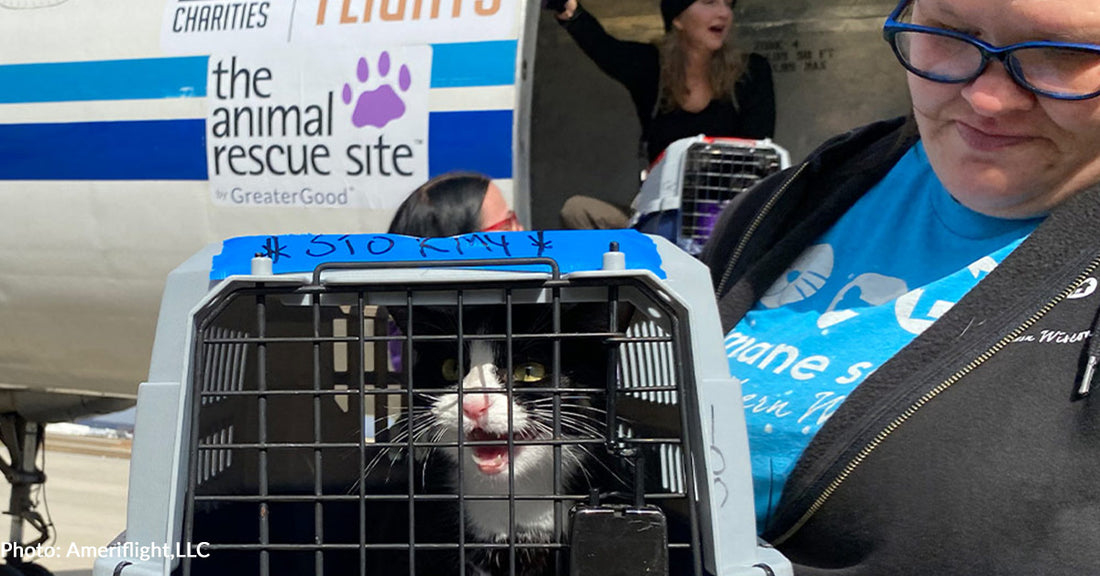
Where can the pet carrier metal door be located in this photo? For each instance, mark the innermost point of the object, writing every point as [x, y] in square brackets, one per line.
[694, 179]
[519, 415]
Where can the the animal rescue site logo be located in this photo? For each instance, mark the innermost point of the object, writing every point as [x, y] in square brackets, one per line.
[284, 127]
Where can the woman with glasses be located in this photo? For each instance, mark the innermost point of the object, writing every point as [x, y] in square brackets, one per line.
[693, 81]
[913, 310]
[450, 204]
[454, 203]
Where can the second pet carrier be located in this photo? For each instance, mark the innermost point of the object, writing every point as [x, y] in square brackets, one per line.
[550, 403]
[693, 180]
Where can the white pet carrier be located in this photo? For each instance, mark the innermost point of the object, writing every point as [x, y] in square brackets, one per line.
[694, 178]
[281, 431]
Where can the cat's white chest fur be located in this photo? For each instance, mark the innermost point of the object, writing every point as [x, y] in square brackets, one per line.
[489, 519]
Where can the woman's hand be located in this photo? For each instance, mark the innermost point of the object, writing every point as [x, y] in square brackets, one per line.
[569, 7]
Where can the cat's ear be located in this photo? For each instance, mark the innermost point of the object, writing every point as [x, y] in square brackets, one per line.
[625, 315]
[426, 319]
[597, 316]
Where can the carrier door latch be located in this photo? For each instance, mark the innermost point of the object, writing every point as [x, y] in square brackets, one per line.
[618, 540]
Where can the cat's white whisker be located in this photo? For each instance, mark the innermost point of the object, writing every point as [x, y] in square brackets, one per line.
[506, 428]
[421, 422]
[571, 423]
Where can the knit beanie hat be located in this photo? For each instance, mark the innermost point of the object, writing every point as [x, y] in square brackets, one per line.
[670, 9]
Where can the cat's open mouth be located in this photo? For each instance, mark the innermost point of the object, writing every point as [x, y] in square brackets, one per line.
[493, 459]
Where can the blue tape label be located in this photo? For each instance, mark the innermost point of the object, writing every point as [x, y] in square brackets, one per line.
[573, 250]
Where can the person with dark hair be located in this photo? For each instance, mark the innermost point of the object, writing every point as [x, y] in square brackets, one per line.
[693, 81]
[451, 204]
[454, 203]
[913, 310]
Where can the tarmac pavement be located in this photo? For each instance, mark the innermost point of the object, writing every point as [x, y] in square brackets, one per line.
[84, 496]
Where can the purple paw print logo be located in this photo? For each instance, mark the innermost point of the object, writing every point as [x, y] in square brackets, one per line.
[379, 106]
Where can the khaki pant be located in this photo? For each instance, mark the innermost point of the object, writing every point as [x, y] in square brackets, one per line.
[588, 213]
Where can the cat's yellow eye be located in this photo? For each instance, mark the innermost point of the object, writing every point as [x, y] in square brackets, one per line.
[450, 370]
[529, 372]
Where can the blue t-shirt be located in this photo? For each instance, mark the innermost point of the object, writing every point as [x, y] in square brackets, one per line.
[894, 263]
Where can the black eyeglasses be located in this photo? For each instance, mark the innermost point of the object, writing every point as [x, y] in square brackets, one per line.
[1061, 70]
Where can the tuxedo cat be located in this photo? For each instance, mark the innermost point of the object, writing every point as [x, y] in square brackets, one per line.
[486, 417]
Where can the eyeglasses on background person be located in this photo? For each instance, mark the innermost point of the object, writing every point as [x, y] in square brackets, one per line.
[453, 203]
[1060, 70]
[508, 224]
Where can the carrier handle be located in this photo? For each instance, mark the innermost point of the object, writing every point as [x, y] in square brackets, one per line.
[555, 272]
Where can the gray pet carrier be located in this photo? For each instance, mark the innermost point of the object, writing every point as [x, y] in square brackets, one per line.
[325, 405]
[693, 180]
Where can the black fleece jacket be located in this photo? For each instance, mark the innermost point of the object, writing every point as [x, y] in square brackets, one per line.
[637, 67]
[969, 452]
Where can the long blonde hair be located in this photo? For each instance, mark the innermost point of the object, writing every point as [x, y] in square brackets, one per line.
[727, 65]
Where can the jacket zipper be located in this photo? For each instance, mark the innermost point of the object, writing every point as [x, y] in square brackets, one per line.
[752, 229]
[927, 397]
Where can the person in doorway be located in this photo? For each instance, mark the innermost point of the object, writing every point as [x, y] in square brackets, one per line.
[693, 81]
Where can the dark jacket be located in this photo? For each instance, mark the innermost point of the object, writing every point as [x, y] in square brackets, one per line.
[637, 67]
[968, 452]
